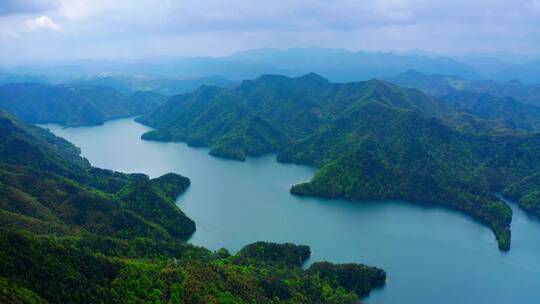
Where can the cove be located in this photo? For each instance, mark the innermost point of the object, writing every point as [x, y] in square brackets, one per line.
[431, 255]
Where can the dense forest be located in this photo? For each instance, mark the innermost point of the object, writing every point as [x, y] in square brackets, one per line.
[514, 106]
[73, 105]
[268, 114]
[526, 192]
[71, 233]
[511, 107]
[370, 140]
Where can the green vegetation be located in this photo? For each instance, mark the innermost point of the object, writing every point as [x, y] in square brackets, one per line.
[269, 253]
[416, 158]
[43, 178]
[73, 105]
[12, 293]
[370, 140]
[154, 201]
[268, 114]
[507, 107]
[70, 233]
[526, 192]
[38, 269]
[358, 278]
[142, 102]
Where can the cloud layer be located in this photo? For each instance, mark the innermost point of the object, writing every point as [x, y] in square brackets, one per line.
[142, 28]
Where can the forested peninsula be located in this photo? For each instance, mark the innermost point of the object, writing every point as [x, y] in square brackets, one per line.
[72, 233]
[370, 140]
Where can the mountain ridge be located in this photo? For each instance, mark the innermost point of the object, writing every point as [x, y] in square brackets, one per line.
[334, 126]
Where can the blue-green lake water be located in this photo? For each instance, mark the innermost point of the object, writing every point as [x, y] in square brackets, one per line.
[431, 255]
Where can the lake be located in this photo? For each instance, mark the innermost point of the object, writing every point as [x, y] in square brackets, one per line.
[431, 254]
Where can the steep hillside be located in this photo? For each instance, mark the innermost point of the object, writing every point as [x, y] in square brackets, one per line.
[508, 106]
[42, 178]
[526, 192]
[271, 112]
[70, 233]
[71, 105]
[378, 152]
[512, 115]
[143, 102]
[371, 140]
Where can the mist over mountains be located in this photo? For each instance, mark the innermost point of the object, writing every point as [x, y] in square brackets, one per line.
[338, 65]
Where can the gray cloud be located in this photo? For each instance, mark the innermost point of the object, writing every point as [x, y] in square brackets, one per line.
[102, 28]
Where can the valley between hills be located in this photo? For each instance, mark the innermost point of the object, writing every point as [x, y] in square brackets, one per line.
[122, 235]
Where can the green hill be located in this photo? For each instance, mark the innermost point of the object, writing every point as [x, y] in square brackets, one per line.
[36, 269]
[71, 233]
[377, 152]
[371, 140]
[511, 106]
[42, 174]
[73, 105]
[270, 113]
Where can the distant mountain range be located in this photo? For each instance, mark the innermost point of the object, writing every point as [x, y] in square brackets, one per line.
[337, 65]
[164, 86]
[18, 78]
[342, 65]
[438, 83]
[528, 72]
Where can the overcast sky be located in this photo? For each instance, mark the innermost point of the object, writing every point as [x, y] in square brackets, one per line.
[121, 29]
